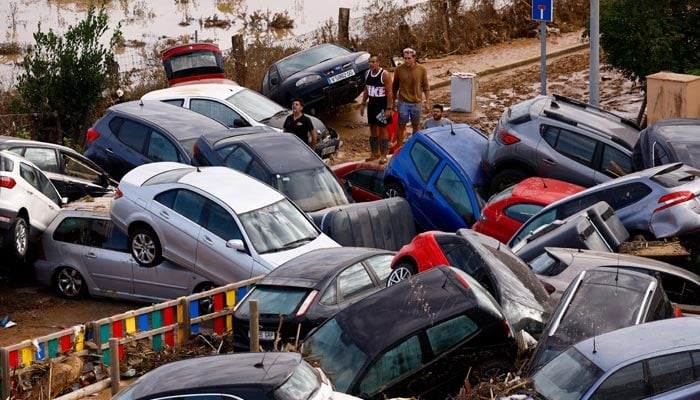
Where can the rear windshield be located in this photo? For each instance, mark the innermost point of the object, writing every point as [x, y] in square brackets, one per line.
[171, 176]
[6, 164]
[568, 376]
[519, 113]
[274, 300]
[676, 175]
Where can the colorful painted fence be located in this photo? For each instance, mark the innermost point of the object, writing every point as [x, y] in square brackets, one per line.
[165, 324]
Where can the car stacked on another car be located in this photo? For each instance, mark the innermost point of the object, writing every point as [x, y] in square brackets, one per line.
[322, 76]
[364, 180]
[194, 62]
[668, 141]
[137, 132]
[236, 106]
[28, 203]
[438, 170]
[300, 294]
[197, 218]
[561, 138]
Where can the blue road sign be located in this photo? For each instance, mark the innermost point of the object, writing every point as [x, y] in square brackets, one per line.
[542, 10]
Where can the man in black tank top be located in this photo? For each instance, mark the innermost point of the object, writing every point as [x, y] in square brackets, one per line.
[378, 99]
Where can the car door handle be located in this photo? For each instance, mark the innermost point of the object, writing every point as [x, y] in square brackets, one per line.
[208, 240]
[91, 254]
[164, 214]
[109, 150]
[431, 195]
[548, 161]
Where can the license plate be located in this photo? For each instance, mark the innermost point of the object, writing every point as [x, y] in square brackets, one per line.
[328, 150]
[266, 335]
[341, 76]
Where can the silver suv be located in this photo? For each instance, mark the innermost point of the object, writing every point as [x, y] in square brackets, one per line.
[562, 138]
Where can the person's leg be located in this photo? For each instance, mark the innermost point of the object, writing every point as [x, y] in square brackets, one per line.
[373, 143]
[383, 144]
[404, 118]
[415, 117]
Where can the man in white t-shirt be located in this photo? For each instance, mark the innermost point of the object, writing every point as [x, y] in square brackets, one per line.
[437, 119]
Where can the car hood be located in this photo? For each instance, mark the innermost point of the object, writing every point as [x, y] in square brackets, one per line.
[277, 258]
[328, 65]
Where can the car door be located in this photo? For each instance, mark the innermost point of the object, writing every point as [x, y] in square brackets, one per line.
[447, 201]
[106, 258]
[219, 111]
[178, 212]
[215, 260]
[366, 184]
[42, 200]
[271, 84]
[566, 155]
[128, 150]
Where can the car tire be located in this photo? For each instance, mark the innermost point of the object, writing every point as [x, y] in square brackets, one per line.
[394, 189]
[69, 283]
[402, 272]
[506, 178]
[19, 235]
[494, 369]
[145, 247]
[206, 304]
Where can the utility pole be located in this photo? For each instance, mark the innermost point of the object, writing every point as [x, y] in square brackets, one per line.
[594, 62]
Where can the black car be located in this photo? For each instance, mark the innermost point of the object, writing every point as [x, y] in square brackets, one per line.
[601, 300]
[279, 159]
[323, 76]
[270, 376]
[668, 141]
[73, 174]
[139, 132]
[309, 289]
[419, 337]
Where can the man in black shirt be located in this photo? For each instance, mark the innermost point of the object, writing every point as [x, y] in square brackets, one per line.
[300, 124]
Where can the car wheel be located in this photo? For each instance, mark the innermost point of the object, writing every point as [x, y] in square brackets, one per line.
[402, 272]
[206, 304]
[20, 238]
[145, 246]
[494, 369]
[69, 284]
[394, 189]
[506, 178]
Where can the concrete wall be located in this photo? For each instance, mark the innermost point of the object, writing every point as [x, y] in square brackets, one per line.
[672, 95]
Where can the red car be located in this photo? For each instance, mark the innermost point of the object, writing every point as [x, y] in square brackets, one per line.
[365, 179]
[194, 63]
[506, 211]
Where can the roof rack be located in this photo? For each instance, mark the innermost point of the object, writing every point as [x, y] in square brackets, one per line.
[605, 113]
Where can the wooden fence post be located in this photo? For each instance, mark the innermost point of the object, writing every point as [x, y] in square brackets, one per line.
[239, 58]
[343, 26]
[114, 364]
[254, 325]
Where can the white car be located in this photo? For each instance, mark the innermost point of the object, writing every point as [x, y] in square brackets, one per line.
[238, 106]
[28, 202]
[218, 222]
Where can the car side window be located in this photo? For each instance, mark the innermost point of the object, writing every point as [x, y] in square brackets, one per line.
[628, 383]
[77, 168]
[402, 359]
[221, 223]
[670, 371]
[274, 77]
[366, 179]
[522, 212]
[424, 160]
[624, 195]
[354, 280]
[215, 110]
[160, 148]
[175, 102]
[204, 396]
[575, 146]
[47, 188]
[72, 230]
[240, 159]
[455, 192]
[661, 156]
[381, 265]
[445, 335]
[132, 134]
[615, 163]
[535, 223]
[28, 174]
[679, 290]
[184, 202]
[103, 235]
[44, 159]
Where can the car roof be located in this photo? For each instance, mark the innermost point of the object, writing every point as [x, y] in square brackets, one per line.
[179, 122]
[280, 151]
[209, 179]
[10, 140]
[464, 144]
[95, 205]
[435, 294]
[612, 348]
[264, 369]
[544, 190]
[221, 91]
[314, 267]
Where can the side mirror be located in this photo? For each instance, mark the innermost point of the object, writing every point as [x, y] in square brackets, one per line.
[64, 200]
[274, 81]
[236, 244]
[239, 123]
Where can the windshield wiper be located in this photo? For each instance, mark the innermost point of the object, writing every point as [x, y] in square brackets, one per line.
[277, 114]
[298, 242]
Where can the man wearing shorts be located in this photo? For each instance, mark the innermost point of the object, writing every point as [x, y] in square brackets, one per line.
[410, 84]
[377, 98]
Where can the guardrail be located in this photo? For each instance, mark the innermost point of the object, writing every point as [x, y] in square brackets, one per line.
[165, 324]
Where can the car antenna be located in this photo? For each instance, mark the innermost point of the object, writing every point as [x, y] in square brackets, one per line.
[452, 131]
[544, 183]
[261, 364]
[594, 349]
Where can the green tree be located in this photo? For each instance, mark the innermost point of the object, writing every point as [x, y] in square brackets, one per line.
[66, 78]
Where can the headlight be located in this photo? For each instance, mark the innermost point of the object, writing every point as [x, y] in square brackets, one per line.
[363, 58]
[308, 80]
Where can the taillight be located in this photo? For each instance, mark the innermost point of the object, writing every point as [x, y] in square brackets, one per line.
[463, 280]
[548, 287]
[307, 303]
[195, 149]
[7, 182]
[118, 193]
[506, 138]
[506, 325]
[677, 311]
[672, 199]
[91, 136]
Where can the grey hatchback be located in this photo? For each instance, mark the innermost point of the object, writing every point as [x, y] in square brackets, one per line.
[561, 138]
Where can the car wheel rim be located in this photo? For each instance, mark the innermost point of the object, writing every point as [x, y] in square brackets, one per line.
[143, 248]
[398, 275]
[69, 282]
[206, 304]
[21, 237]
[391, 192]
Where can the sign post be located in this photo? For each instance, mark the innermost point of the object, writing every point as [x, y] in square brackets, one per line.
[542, 11]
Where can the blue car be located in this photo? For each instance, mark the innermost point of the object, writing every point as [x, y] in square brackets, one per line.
[438, 170]
[323, 76]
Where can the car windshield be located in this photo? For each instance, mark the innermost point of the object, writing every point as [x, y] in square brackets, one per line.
[312, 190]
[568, 376]
[255, 105]
[305, 59]
[278, 227]
[301, 385]
[274, 300]
[532, 224]
[336, 353]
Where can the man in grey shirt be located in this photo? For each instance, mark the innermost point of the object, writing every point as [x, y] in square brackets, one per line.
[437, 119]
